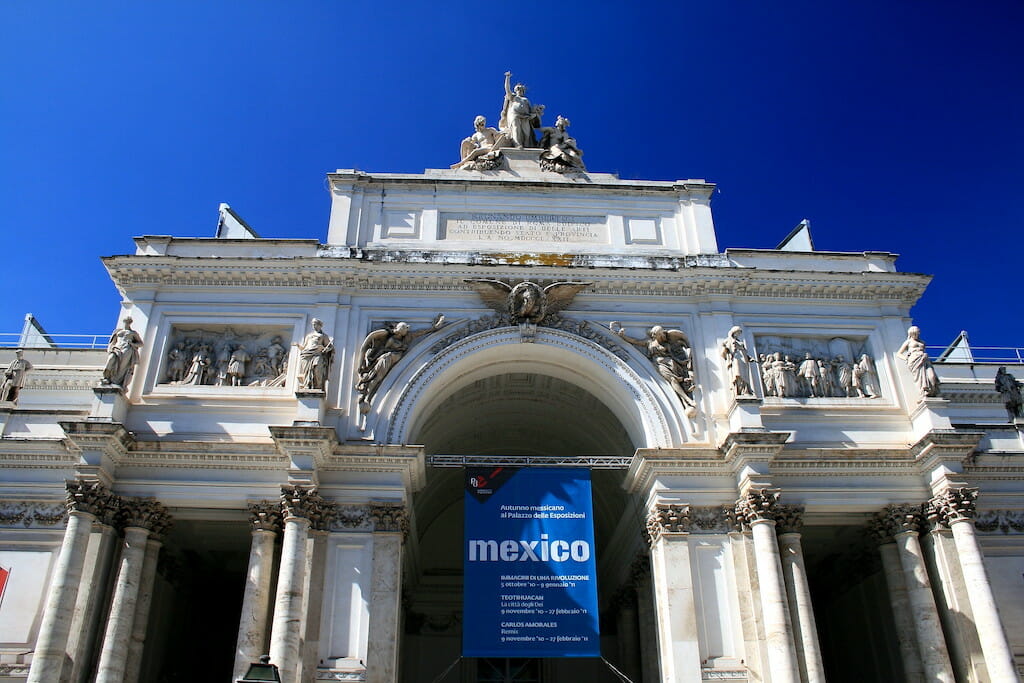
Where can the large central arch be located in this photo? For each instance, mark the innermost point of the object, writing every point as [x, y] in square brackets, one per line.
[632, 391]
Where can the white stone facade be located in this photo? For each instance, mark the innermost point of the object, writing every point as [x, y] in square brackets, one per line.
[805, 531]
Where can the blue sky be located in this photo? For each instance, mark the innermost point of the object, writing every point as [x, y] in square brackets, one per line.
[892, 126]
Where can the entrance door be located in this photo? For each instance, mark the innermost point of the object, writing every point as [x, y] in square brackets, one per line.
[496, 670]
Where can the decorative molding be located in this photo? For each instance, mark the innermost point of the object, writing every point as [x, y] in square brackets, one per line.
[667, 518]
[328, 675]
[710, 519]
[32, 514]
[1004, 521]
[350, 518]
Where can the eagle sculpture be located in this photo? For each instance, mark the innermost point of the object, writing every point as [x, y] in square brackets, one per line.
[526, 302]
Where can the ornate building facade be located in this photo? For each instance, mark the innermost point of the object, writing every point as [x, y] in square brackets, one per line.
[266, 458]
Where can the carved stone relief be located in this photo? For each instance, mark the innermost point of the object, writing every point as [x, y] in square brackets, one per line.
[32, 514]
[816, 367]
[672, 355]
[218, 355]
[380, 352]
[1004, 521]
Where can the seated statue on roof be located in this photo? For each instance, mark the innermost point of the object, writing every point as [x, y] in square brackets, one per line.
[560, 154]
[482, 150]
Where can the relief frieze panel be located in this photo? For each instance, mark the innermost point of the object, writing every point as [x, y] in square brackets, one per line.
[816, 367]
[226, 356]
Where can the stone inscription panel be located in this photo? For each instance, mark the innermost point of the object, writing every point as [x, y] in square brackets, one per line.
[524, 227]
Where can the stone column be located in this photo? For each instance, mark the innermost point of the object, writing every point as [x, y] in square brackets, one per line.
[316, 567]
[957, 507]
[265, 518]
[899, 600]
[93, 593]
[789, 522]
[904, 523]
[139, 517]
[668, 526]
[133, 667]
[390, 526]
[85, 500]
[641, 572]
[626, 626]
[299, 504]
[757, 510]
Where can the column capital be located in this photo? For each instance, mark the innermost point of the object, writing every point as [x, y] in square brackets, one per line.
[265, 516]
[956, 504]
[880, 528]
[301, 502]
[146, 514]
[789, 519]
[390, 518]
[91, 497]
[667, 518]
[757, 505]
[903, 518]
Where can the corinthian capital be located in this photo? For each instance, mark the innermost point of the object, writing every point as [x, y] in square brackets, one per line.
[789, 519]
[265, 516]
[758, 505]
[302, 502]
[903, 518]
[147, 514]
[956, 504]
[667, 518]
[91, 497]
[390, 518]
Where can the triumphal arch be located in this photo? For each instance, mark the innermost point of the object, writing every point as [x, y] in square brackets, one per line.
[270, 455]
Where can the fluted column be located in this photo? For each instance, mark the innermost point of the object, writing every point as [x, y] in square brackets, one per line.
[899, 599]
[137, 643]
[668, 527]
[85, 500]
[789, 522]
[139, 517]
[757, 511]
[299, 504]
[905, 523]
[390, 526]
[957, 507]
[265, 519]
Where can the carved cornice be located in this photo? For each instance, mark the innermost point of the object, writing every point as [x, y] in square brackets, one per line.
[956, 504]
[390, 518]
[301, 502]
[758, 505]
[109, 438]
[32, 514]
[265, 516]
[789, 519]
[667, 518]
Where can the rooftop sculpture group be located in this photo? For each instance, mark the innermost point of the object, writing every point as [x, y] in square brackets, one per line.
[519, 124]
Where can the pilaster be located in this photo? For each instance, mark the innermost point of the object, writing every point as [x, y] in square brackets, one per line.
[390, 527]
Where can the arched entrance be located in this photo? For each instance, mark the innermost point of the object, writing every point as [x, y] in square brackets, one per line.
[494, 396]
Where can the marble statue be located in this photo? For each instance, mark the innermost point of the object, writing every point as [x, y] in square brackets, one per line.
[518, 117]
[315, 355]
[865, 378]
[199, 370]
[920, 365]
[844, 374]
[176, 363]
[561, 154]
[811, 376]
[734, 351]
[13, 378]
[381, 351]
[526, 302]
[236, 366]
[671, 353]
[482, 150]
[1009, 389]
[122, 356]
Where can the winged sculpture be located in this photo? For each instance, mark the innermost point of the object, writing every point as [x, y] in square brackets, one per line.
[526, 302]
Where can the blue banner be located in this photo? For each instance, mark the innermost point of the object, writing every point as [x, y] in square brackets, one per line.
[530, 578]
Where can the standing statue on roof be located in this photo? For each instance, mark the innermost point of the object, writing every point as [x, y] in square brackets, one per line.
[122, 356]
[518, 116]
[13, 378]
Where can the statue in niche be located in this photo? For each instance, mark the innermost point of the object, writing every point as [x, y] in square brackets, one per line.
[768, 374]
[224, 359]
[865, 378]
[176, 359]
[122, 356]
[482, 150]
[560, 154]
[276, 357]
[13, 378]
[316, 353]
[827, 384]
[1009, 389]
[920, 365]
[671, 353]
[518, 117]
[526, 302]
[734, 351]
[199, 369]
[844, 373]
[236, 366]
[381, 351]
